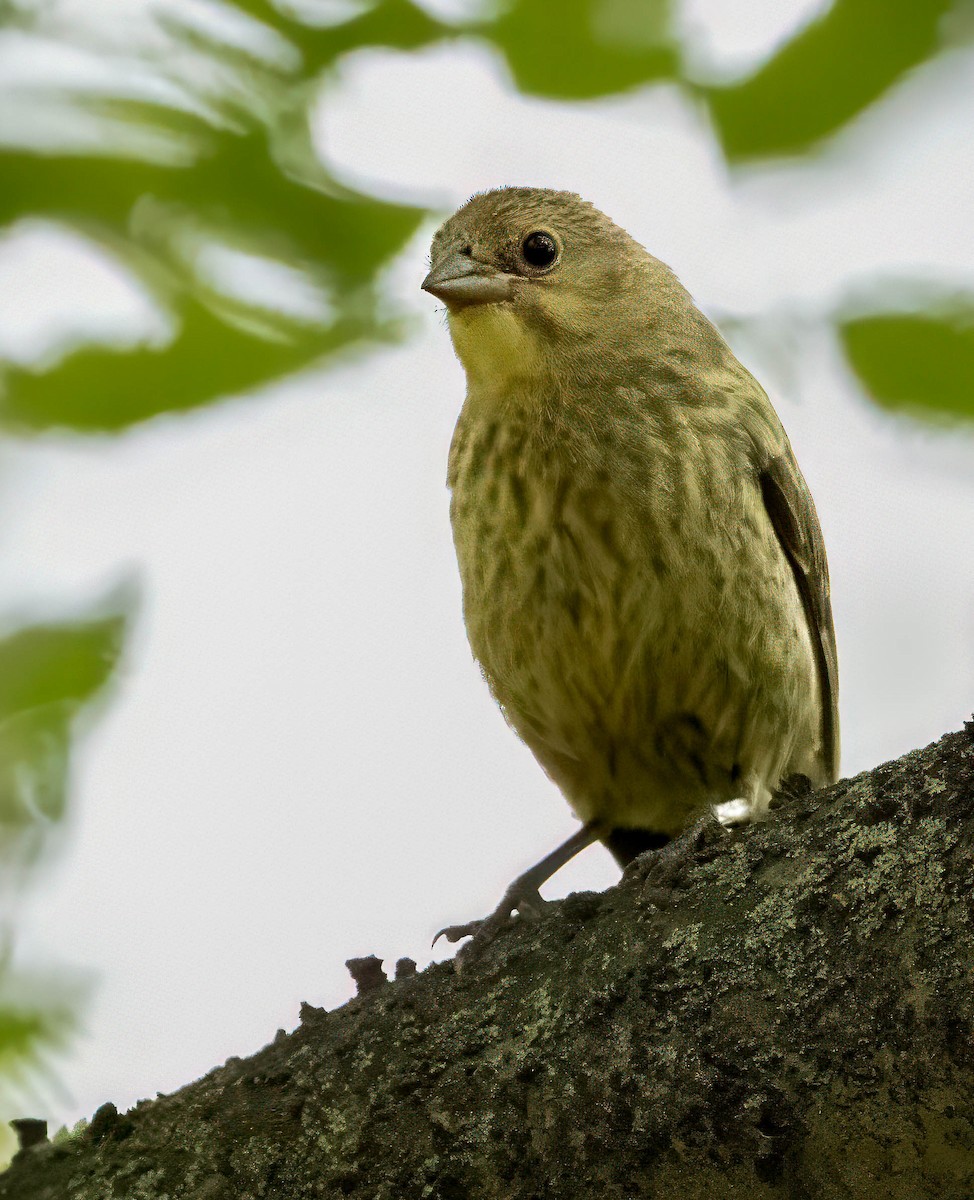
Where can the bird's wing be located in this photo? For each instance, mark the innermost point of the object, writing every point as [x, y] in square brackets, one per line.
[792, 512]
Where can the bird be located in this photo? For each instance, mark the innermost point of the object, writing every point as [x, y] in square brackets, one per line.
[644, 577]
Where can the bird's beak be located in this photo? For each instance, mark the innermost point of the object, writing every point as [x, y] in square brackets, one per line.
[459, 280]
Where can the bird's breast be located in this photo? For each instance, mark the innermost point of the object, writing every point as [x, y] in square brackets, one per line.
[548, 550]
[632, 611]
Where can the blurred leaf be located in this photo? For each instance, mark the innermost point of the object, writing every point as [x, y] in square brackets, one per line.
[37, 1014]
[237, 184]
[45, 664]
[584, 48]
[397, 24]
[98, 390]
[23, 1031]
[33, 774]
[18, 1030]
[825, 76]
[47, 673]
[259, 187]
[918, 361]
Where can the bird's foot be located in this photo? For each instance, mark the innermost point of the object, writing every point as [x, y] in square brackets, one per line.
[670, 861]
[795, 787]
[525, 901]
[522, 897]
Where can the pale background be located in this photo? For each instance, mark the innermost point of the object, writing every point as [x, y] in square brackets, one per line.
[302, 763]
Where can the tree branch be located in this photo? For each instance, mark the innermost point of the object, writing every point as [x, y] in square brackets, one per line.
[786, 1011]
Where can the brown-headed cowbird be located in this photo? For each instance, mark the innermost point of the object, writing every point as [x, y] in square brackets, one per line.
[644, 579]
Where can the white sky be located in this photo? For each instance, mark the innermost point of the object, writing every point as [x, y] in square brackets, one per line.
[302, 764]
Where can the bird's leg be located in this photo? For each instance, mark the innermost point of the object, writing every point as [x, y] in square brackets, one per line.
[523, 896]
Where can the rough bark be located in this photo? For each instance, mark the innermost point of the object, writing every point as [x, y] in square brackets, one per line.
[785, 1011]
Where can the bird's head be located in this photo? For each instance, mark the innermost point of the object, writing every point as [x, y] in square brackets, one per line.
[537, 279]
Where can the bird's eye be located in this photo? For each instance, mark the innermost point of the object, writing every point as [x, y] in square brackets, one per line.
[539, 249]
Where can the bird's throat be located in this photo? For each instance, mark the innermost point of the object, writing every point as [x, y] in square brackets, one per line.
[495, 347]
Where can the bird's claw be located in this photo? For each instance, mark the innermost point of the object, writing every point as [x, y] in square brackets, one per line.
[526, 903]
[455, 933]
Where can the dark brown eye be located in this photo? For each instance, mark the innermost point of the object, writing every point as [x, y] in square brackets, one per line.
[539, 249]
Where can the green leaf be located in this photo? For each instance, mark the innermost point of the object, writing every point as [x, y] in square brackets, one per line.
[238, 186]
[97, 390]
[397, 24]
[47, 674]
[46, 664]
[228, 159]
[825, 76]
[37, 1015]
[22, 1032]
[584, 48]
[919, 361]
[344, 238]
